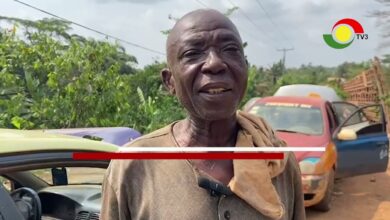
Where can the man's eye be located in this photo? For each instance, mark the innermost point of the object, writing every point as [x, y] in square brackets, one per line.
[231, 49]
[192, 53]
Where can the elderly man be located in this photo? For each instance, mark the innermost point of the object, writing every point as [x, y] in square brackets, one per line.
[207, 72]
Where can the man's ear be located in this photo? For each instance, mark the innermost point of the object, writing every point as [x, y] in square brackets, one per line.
[168, 80]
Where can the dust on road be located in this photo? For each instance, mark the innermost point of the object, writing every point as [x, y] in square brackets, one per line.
[359, 198]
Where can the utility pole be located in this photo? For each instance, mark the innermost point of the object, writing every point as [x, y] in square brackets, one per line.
[284, 50]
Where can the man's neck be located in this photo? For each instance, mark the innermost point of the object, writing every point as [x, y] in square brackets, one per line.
[193, 132]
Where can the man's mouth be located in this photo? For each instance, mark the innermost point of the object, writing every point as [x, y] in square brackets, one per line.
[215, 88]
[216, 91]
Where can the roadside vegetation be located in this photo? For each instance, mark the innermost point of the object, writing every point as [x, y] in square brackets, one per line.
[52, 79]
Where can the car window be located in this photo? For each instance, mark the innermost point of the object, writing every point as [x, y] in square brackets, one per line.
[6, 183]
[76, 175]
[344, 109]
[331, 118]
[291, 117]
[371, 121]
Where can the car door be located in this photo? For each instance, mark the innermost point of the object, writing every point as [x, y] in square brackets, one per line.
[362, 142]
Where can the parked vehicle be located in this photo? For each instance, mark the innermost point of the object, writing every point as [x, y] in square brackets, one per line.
[114, 135]
[38, 172]
[307, 90]
[355, 138]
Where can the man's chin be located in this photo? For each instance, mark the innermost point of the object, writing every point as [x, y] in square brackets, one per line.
[217, 114]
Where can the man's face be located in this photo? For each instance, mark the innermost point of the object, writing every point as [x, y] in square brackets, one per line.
[208, 66]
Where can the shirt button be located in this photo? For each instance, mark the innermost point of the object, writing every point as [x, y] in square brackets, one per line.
[226, 215]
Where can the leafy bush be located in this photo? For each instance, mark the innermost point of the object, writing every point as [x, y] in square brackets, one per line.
[48, 81]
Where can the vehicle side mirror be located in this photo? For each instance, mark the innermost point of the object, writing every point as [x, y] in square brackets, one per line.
[347, 135]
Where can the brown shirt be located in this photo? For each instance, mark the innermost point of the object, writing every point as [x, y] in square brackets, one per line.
[168, 189]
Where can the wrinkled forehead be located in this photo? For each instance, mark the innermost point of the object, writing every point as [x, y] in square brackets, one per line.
[200, 24]
[199, 37]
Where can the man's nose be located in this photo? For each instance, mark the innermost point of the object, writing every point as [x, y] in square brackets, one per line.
[213, 64]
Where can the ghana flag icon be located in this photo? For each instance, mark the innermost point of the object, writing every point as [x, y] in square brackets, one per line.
[344, 32]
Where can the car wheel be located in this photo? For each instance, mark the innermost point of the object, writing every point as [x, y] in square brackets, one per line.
[325, 204]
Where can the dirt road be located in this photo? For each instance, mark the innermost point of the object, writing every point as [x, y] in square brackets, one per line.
[359, 198]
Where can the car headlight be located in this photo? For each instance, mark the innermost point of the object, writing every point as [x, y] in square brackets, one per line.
[308, 165]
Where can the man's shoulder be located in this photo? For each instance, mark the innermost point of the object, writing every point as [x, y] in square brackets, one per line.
[291, 169]
[292, 161]
[157, 138]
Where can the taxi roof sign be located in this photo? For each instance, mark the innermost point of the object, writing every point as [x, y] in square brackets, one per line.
[314, 95]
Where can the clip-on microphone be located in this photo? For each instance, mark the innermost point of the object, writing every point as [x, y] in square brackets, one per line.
[216, 189]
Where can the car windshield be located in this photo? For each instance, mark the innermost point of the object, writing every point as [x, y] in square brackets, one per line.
[290, 117]
[76, 175]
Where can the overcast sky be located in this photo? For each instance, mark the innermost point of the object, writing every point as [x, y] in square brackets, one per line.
[297, 24]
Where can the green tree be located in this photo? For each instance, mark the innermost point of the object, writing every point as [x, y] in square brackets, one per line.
[50, 79]
[383, 19]
[276, 71]
[257, 84]
[348, 70]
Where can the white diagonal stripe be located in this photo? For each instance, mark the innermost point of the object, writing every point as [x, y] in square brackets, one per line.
[219, 149]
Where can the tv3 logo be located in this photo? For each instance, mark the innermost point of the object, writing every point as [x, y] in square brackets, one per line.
[344, 32]
[362, 36]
